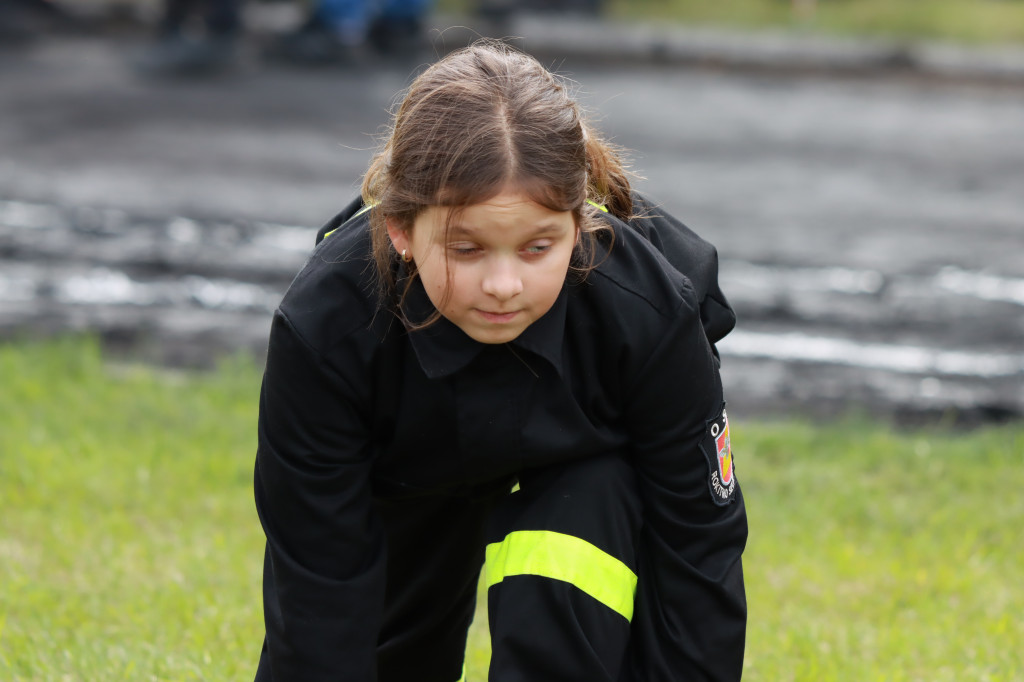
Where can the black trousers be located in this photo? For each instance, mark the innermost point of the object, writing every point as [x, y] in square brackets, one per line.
[560, 568]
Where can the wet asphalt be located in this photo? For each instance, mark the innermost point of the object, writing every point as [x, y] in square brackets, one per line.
[871, 227]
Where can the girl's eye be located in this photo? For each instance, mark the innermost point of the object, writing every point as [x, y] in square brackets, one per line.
[537, 249]
[463, 249]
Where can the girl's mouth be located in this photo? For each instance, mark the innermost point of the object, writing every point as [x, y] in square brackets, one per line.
[498, 318]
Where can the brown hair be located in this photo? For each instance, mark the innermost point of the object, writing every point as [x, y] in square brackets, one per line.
[479, 120]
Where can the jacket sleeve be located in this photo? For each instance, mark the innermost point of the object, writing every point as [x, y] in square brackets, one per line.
[692, 256]
[690, 616]
[324, 566]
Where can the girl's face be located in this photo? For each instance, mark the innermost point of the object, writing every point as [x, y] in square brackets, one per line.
[500, 266]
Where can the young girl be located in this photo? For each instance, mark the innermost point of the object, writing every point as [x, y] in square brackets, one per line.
[497, 309]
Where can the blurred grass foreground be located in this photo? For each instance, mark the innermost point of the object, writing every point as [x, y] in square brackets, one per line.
[130, 548]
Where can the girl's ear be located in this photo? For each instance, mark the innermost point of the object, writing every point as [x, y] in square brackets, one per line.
[399, 238]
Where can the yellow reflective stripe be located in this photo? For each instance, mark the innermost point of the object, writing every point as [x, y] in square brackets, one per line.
[563, 557]
[597, 205]
[355, 215]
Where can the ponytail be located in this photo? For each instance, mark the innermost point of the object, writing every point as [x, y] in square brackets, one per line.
[607, 178]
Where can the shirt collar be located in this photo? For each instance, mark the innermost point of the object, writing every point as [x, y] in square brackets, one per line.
[544, 337]
[443, 349]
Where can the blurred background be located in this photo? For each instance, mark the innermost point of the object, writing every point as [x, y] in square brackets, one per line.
[860, 165]
[164, 167]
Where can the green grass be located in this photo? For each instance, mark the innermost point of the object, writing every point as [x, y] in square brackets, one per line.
[883, 556]
[130, 548]
[967, 21]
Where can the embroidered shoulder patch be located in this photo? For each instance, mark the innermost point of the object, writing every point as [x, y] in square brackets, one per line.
[718, 451]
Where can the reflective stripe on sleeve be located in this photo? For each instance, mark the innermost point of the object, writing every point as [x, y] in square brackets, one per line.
[563, 557]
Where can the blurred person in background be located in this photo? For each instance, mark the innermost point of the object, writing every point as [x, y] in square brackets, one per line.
[21, 21]
[336, 31]
[201, 36]
[195, 37]
[500, 9]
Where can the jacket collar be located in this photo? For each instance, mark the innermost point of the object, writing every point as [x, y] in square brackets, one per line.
[443, 349]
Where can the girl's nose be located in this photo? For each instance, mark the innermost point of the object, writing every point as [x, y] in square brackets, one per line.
[502, 281]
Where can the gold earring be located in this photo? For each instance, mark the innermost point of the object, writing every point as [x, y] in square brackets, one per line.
[406, 258]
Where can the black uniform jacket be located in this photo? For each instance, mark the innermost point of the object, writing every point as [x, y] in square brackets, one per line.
[355, 409]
